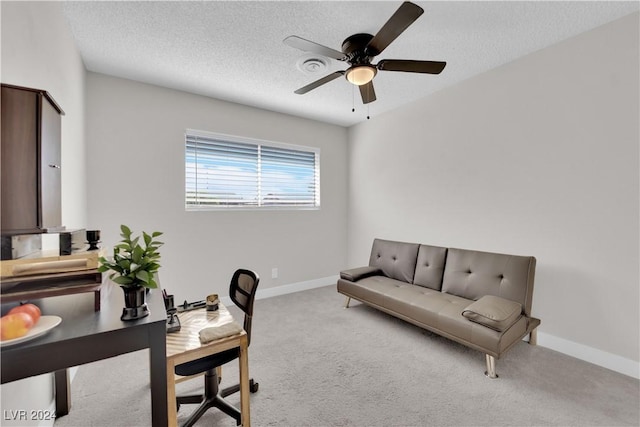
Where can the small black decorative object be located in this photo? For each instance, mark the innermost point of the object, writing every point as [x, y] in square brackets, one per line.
[188, 306]
[93, 238]
[173, 321]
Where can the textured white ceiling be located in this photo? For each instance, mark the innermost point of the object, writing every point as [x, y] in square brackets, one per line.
[234, 51]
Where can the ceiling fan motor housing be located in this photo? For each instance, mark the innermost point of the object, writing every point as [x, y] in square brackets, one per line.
[355, 48]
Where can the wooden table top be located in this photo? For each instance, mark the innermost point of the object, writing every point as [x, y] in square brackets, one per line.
[191, 323]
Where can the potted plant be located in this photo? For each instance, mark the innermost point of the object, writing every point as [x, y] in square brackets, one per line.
[134, 265]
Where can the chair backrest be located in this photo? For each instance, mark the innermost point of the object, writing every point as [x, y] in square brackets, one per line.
[242, 292]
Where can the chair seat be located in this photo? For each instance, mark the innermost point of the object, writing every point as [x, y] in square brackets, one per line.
[204, 364]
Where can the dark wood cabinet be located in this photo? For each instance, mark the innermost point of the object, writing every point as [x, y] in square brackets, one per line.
[31, 167]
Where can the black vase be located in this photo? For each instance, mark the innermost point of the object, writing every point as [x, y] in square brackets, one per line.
[135, 306]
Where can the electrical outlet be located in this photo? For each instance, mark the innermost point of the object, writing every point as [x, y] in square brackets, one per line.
[274, 273]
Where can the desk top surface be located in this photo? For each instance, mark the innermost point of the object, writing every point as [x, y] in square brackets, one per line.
[79, 320]
[191, 323]
[85, 335]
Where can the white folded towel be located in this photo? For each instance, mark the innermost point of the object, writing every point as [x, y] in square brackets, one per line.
[216, 332]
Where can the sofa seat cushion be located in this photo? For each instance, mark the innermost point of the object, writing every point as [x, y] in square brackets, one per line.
[493, 312]
[438, 311]
[442, 313]
[371, 289]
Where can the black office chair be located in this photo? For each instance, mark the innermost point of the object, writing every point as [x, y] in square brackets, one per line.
[242, 291]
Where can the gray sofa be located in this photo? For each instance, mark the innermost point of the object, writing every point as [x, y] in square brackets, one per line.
[479, 299]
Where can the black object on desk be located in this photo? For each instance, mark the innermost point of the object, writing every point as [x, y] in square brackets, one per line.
[187, 306]
[173, 322]
[87, 336]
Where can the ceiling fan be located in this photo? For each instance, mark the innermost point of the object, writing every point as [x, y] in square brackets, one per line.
[359, 50]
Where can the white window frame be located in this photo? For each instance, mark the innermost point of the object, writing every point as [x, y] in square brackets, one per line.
[259, 203]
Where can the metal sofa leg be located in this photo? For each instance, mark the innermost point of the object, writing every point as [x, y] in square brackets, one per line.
[533, 337]
[346, 304]
[491, 367]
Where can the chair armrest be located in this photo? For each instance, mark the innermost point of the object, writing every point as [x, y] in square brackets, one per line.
[355, 274]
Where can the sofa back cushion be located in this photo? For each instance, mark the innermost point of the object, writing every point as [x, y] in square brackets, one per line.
[473, 274]
[397, 260]
[430, 267]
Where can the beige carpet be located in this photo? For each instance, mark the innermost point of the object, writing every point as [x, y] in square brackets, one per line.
[321, 365]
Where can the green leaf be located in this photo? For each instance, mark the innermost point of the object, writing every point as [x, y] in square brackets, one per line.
[137, 254]
[156, 234]
[126, 231]
[123, 280]
[143, 276]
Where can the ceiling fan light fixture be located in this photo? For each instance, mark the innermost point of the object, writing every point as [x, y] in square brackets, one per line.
[361, 74]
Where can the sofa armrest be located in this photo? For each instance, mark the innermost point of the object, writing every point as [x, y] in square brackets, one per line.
[355, 274]
[494, 312]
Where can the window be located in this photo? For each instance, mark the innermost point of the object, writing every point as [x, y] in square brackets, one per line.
[223, 171]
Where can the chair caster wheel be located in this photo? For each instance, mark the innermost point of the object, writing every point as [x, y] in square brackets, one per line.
[253, 386]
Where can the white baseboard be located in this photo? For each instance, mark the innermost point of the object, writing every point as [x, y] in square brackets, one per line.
[592, 355]
[289, 289]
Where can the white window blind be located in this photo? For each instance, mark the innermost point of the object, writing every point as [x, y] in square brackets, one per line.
[222, 171]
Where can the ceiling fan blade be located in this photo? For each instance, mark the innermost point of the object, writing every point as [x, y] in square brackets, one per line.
[309, 46]
[409, 66]
[367, 92]
[319, 82]
[406, 14]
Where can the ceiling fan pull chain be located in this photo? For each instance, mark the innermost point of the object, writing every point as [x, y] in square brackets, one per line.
[353, 99]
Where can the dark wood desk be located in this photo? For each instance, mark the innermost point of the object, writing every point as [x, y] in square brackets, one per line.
[85, 336]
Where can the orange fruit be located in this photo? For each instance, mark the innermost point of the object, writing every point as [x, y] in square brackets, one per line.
[31, 309]
[15, 325]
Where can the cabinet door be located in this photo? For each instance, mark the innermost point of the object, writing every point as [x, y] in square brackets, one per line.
[50, 167]
[19, 160]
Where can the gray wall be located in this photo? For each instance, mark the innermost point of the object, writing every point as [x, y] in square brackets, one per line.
[136, 163]
[538, 157]
[38, 51]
